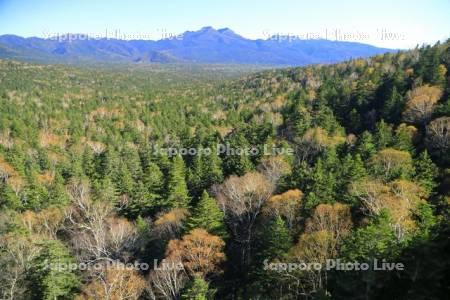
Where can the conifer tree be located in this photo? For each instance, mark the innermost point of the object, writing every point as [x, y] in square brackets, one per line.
[57, 193]
[321, 187]
[109, 163]
[375, 241]
[163, 162]
[133, 162]
[50, 274]
[351, 169]
[124, 180]
[365, 146]
[154, 181]
[274, 243]
[205, 172]
[208, 216]
[141, 203]
[236, 161]
[88, 162]
[275, 240]
[403, 139]
[299, 177]
[393, 107]
[177, 189]
[196, 176]
[383, 135]
[213, 168]
[9, 199]
[331, 160]
[197, 289]
[75, 168]
[425, 171]
[108, 190]
[36, 195]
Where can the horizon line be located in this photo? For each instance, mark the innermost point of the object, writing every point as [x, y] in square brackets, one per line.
[170, 36]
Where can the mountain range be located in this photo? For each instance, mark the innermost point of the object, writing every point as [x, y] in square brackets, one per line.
[207, 45]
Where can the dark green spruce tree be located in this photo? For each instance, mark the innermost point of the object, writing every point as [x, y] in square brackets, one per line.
[50, 275]
[207, 215]
[273, 243]
[197, 289]
[425, 171]
[177, 195]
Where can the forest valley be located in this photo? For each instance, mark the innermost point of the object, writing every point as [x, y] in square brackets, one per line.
[365, 176]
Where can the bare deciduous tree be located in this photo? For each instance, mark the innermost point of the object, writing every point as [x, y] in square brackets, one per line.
[166, 283]
[273, 168]
[391, 162]
[116, 284]
[241, 198]
[325, 231]
[96, 233]
[369, 191]
[438, 133]
[286, 205]
[168, 225]
[17, 253]
[335, 219]
[313, 142]
[312, 248]
[46, 222]
[398, 197]
[421, 103]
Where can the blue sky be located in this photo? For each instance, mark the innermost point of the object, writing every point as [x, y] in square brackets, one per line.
[387, 23]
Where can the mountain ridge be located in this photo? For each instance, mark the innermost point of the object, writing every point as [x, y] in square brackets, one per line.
[206, 45]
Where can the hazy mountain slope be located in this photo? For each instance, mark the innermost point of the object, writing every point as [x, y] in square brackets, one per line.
[206, 45]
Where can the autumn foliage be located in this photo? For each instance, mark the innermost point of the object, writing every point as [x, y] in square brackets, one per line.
[200, 252]
[421, 103]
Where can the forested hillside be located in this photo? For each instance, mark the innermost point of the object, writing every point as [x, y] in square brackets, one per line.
[348, 161]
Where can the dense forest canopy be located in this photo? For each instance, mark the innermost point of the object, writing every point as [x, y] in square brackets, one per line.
[348, 161]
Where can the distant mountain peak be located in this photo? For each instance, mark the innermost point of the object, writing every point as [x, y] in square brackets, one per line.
[210, 34]
[206, 45]
[227, 31]
[207, 29]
